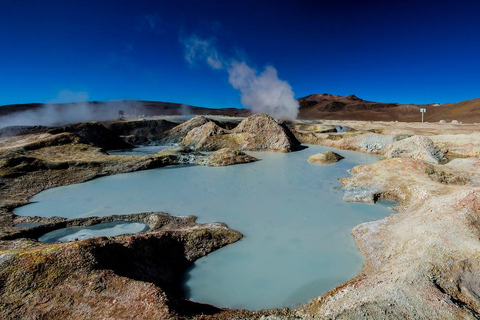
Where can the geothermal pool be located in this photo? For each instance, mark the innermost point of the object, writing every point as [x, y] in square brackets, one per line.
[297, 242]
[107, 229]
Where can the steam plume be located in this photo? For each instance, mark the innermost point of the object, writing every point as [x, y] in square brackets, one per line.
[263, 92]
[68, 107]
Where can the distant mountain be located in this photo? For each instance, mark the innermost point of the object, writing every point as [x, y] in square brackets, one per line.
[334, 107]
[329, 106]
[314, 106]
[129, 107]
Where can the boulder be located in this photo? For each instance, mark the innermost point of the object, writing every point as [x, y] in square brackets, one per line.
[262, 132]
[226, 157]
[255, 133]
[176, 134]
[207, 137]
[325, 157]
[416, 147]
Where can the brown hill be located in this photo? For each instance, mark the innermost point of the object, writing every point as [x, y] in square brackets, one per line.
[131, 107]
[467, 111]
[334, 107]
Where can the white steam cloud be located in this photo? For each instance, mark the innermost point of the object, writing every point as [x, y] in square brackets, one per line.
[260, 92]
[202, 49]
[68, 107]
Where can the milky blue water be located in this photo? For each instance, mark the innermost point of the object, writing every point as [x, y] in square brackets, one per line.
[297, 242]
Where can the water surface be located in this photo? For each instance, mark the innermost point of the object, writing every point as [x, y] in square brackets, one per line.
[297, 241]
[107, 229]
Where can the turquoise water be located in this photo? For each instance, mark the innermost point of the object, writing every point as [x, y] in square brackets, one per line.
[297, 242]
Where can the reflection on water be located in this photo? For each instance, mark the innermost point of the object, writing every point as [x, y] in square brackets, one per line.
[297, 241]
[108, 229]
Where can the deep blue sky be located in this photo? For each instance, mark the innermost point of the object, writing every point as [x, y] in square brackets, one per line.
[391, 51]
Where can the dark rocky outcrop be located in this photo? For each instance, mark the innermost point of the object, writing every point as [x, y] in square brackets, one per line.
[96, 134]
[142, 132]
[21, 130]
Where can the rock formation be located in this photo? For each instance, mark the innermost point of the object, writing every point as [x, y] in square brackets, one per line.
[95, 134]
[416, 147]
[116, 277]
[226, 157]
[144, 132]
[256, 133]
[176, 134]
[325, 157]
[208, 137]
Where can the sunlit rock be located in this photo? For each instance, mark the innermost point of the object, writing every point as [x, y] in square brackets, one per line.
[417, 147]
[255, 133]
[325, 157]
[226, 157]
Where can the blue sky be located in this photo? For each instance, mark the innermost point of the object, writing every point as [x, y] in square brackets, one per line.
[402, 51]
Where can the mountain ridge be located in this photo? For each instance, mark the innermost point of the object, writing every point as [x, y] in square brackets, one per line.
[314, 106]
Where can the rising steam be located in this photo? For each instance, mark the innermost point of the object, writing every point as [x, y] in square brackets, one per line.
[263, 92]
[68, 107]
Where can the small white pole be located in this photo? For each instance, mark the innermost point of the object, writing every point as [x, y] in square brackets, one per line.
[423, 111]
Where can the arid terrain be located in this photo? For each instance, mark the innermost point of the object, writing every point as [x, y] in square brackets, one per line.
[315, 106]
[421, 262]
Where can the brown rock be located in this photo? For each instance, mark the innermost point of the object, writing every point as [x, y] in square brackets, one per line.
[227, 157]
[325, 157]
[255, 133]
[176, 134]
[207, 137]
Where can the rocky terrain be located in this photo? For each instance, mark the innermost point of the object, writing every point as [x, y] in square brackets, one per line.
[122, 277]
[421, 262]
